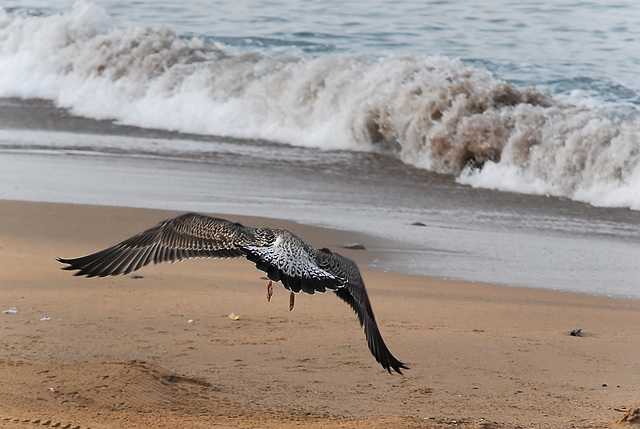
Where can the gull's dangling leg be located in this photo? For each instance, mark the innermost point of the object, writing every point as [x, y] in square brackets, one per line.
[292, 300]
[269, 290]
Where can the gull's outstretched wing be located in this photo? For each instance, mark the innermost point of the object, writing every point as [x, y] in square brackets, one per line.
[186, 236]
[355, 294]
[278, 252]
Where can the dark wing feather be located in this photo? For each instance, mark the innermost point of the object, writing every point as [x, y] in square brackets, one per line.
[186, 236]
[355, 294]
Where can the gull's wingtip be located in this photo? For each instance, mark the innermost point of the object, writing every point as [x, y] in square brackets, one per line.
[71, 267]
[398, 368]
[65, 261]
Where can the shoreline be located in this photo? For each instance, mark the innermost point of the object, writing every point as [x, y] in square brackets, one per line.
[425, 224]
[477, 352]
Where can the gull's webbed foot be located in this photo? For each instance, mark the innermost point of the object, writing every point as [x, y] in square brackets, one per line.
[269, 291]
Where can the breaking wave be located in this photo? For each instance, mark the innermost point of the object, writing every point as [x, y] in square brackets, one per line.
[435, 113]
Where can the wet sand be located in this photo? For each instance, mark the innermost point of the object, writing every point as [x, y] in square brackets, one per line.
[161, 351]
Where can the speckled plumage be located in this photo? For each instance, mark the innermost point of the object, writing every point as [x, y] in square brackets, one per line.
[284, 256]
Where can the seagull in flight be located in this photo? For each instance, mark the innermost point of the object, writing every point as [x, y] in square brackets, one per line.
[282, 255]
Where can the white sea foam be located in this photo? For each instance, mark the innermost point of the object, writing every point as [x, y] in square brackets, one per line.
[432, 112]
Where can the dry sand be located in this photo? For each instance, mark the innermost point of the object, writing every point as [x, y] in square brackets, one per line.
[160, 351]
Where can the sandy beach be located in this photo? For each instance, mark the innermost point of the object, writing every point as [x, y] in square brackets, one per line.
[159, 350]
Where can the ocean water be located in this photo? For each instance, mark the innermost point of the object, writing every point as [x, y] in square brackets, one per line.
[510, 129]
[546, 97]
